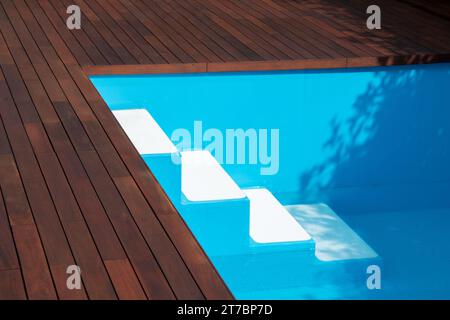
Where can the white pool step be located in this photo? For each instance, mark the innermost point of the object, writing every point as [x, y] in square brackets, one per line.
[204, 179]
[144, 132]
[213, 205]
[249, 220]
[155, 147]
[335, 240]
[270, 222]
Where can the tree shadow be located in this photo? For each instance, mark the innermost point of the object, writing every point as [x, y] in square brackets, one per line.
[393, 152]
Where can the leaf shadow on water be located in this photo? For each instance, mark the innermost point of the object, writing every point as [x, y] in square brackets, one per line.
[393, 151]
[387, 174]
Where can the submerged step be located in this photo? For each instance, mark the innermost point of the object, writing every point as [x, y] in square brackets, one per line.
[221, 227]
[144, 132]
[270, 222]
[213, 205]
[204, 179]
[158, 152]
[335, 240]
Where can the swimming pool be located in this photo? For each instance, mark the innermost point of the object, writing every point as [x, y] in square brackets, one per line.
[334, 182]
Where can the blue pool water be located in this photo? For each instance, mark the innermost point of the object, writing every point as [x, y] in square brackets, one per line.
[373, 144]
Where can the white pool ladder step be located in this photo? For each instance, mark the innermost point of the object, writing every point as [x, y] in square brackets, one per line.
[155, 147]
[204, 179]
[270, 222]
[144, 132]
[213, 205]
[335, 240]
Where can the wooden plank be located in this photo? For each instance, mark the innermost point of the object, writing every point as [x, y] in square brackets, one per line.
[297, 29]
[14, 196]
[140, 41]
[8, 255]
[142, 259]
[255, 17]
[319, 28]
[88, 32]
[168, 258]
[60, 276]
[36, 273]
[277, 65]
[199, 13]
[127, 286]
[112, 35]
[412, 59]
[184, 56]
[75, 38]
[95, 278]
[271, 45]
[146, 69]
[394, 29]
[207, 29]
[151, 39]
[237, 33]
[338, 31]
[269, 65]
[351, 25]
[168, 32]
[154, 11]
[198, 30]
[438, 8]
[431, 33]
[306, 64]
[11, 285]
[298, 36]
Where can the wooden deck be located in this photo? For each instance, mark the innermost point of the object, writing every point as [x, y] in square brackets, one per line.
[73, 188]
